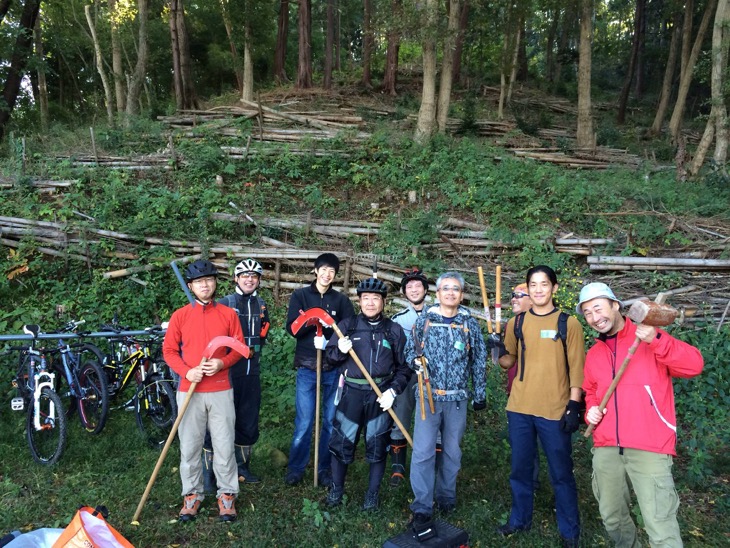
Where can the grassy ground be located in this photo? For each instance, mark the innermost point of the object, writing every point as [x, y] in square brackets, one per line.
[112, 469]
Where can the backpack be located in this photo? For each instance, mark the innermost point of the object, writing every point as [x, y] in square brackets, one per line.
[562, 335]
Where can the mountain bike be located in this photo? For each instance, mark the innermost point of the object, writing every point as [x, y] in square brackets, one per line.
[86, 384]
[134, 360]
[45, 427]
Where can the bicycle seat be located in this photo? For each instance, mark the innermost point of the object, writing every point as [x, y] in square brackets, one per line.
[32, 329]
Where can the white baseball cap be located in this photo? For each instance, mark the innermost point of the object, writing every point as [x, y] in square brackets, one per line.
[594, 291]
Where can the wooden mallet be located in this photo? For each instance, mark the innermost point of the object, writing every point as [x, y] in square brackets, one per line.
[646, 312]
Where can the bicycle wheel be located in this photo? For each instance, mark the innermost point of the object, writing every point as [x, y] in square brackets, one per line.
[48, 441]
[156, 409]
[93, 404]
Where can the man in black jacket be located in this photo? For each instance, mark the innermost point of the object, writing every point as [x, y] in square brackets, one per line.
[320, 294]
[379, 342]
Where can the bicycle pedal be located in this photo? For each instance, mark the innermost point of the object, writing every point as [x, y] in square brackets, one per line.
[17, 404]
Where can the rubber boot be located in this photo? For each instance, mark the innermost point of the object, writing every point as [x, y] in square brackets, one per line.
[398, 455]
[243, 459]
[210, 485]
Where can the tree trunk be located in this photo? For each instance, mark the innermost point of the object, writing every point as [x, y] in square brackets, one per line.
[117, 65]
[510, 48]
[584, 133]
[304, 69]
[550, 44]
[4, 7]
[463, 24]
[42, 85]
[338, 41]
[515, 54]
[329, 45]
[282, 30]
[109, 98]
[247, 91]
[444, 98]
[686, 36]
[624, 95]
[639, 70]
[675, 122]
[237, 67]
[666, 91]
[390, 78]
[174, 39]
[186, 63]
[136, 82]
[367, 44]
[717, 121]
[426, 122]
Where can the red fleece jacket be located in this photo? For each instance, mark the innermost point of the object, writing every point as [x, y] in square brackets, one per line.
[191, 328]
[640, 413]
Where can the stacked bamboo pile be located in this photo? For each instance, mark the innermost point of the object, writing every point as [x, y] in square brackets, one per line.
[288, 266]
[304, 132]
[42, 185]
[594, 158]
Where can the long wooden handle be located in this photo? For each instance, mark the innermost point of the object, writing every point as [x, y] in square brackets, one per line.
[165, 449]
[498, 300]
[485, 299]
[614, 383]
[427, 380]
[420, 396]
[316, 418]
[374, 386]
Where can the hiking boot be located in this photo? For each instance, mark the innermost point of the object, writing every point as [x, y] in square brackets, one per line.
[191, 505]
[243, 460]
[371, 501]
[324, 479]
[226, 507]
[210, 485]
[507, 530]
[334, 495]
[422, 526]
[292, 478]
[398, 455]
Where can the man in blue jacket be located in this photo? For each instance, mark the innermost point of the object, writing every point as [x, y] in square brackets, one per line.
[449, 339]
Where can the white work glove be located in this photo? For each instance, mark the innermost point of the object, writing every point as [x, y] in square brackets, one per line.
[387, 399]
[417, 366]
[344, 344]
[320, 343]
[594, 415]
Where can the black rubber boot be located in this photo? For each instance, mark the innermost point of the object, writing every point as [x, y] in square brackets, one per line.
[243, 459]
[398, 455]
[210, 485]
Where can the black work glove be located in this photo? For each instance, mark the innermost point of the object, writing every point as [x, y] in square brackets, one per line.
[479, 405]
[495, 342]
[570, 421]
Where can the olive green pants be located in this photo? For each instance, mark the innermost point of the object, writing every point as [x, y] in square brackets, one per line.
[650, 475]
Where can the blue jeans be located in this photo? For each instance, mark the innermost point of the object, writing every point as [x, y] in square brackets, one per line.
[524, 430]
[306, 396]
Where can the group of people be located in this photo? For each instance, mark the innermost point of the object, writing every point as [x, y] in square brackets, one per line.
[374, 369]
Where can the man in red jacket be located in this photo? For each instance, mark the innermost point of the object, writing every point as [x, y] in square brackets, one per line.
[211, 407]
[636, 434]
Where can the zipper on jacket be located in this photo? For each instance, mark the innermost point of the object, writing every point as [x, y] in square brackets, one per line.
[615, 392]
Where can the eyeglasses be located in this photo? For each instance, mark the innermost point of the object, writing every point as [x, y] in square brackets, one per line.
[204, 281]
[454, 288]
[248, 275]
[519, 295]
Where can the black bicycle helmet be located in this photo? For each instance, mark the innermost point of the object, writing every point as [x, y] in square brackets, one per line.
[200, 269]
[413, 274]
[372, 285]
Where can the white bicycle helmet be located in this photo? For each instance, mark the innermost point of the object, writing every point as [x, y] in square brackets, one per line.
[248, 265]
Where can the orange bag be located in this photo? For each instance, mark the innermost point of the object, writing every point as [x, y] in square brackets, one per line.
[89, 529]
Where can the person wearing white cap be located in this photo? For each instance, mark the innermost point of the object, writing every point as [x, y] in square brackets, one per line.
[635, 436]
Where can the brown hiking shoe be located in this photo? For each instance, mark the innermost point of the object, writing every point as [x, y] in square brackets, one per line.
[226, 508]
[191, 505]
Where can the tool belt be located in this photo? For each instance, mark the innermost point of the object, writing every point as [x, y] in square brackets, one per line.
[363, 384]
[440, 392]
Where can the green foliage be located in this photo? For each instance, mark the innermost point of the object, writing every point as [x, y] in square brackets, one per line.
[312, 511]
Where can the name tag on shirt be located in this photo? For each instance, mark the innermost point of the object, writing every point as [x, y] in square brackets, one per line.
[386, 344]
[548, 333]
[459, 345]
